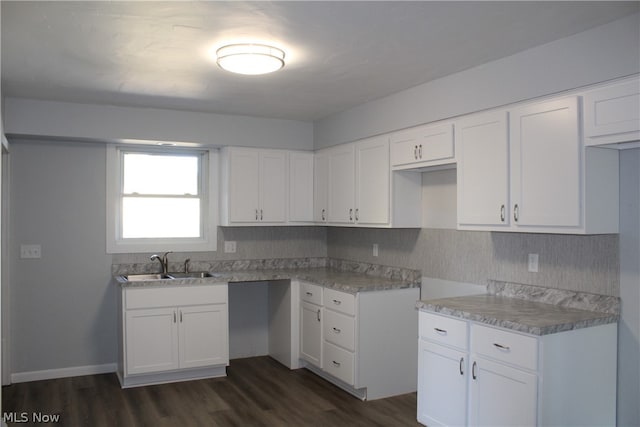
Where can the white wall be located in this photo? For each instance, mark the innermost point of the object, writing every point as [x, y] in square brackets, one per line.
[69, 121]
[603, 53]
[629, 326]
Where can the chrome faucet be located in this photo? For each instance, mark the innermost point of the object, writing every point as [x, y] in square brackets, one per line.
[164, 261]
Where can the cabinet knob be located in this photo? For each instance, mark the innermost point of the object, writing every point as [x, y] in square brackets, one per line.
[502, 347]
[175, 320]
[461, 364]
[323, 217]
[351, 214]
[515, 212]
[473, 370]
[420, 151]
[337, 302]
[502, 212]
[256, 214]
[357, 214]
[440, 331]
[318, 315]
[415, 152]
[261, 214]
[336, 330]
[336, 364]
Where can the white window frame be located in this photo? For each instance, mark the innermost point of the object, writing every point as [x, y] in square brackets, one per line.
[209, 201]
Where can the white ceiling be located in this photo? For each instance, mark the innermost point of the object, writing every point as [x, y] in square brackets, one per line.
[339, 54]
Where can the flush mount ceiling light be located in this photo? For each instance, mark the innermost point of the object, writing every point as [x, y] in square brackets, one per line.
[250, 58]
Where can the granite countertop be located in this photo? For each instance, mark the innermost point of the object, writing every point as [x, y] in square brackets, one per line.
[345, 281]
[526, 313]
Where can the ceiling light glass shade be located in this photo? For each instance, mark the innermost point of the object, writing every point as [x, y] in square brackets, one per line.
[250, 58]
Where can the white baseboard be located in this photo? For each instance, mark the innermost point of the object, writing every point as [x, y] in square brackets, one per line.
[48, 374]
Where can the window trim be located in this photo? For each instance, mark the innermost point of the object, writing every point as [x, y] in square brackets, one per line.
[209, 182]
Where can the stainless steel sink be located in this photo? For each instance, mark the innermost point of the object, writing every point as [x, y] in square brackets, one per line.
[194, 275]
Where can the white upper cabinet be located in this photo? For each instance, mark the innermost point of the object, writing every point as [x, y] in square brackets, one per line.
[342, 182]
[301, 187]
[372, 182]
[254, 186]
[422, 146]
[538, 177]
[320, 186]
[546, 164]
[612, 113]
[482, 144]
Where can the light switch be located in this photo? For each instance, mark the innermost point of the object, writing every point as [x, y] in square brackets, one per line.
[230, 247]
[30, 251]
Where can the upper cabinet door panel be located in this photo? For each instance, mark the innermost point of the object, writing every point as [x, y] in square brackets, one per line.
[244, 181]
[482, 144]
[372, 181]
[341, 184]
[301, 187]
[546, 164]
[612, 114]
[273, 187]
[423, 146]
[320, 186]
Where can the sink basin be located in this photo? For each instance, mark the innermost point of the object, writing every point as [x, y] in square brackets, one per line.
[142, 277]
[194, 275]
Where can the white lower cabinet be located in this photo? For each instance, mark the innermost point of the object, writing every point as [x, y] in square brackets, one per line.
[364, 342]
[477, 375]
[173, 333]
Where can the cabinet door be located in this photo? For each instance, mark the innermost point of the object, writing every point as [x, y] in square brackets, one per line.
[372, 181]
[203, 335]
[483, 169]
[612, 113]
[545, 164]
[320, 186]
[244, 185]
[442, 385]
[273, 186]
[152, 340]
[425, 145]
[301, 187]
[501, 395]
[311, 333]
[341, 184]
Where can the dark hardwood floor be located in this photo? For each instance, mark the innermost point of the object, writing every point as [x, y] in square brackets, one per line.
[257, 391]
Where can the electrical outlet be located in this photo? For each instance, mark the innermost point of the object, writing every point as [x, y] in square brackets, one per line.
[375, 249]
[30, 251]
[230, 247]
[533, 263]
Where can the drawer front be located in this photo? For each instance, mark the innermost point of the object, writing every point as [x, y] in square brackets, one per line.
[339, 363]
[311, 293]
[340, 301]
[509, 347]
[422, 144]
[339, 329]
[173, 296]
[443, 330]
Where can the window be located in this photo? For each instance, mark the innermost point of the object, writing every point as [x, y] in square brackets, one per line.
[160, 199]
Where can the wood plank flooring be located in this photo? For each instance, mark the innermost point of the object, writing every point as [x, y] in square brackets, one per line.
[257, 391]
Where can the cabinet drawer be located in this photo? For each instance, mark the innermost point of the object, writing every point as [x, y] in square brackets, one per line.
[340, 301]
[339, 363]
[510, 347]
[444, 330]
[339, 329]
[311, 293]
[174, 296]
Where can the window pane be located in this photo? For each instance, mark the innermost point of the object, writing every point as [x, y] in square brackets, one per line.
[160, 217]
[160, 174]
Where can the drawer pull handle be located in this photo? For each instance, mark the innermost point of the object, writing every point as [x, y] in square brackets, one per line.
[310, 294]
[318, 315]
[440, 331]
[174, 317]
[502, 212]
[461, 363]
[323, 217]
[473, 370]
[502, 347]
[337, 302]
[336, 330]
[516, 212]
[351, 214]
[180, 316]
[336, 364]
[420, 151]
[415, 152]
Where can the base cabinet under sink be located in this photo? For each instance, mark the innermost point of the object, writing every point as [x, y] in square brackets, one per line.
[172, 334]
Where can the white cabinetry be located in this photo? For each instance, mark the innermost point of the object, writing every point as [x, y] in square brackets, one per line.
[301, 187]
[361, 349]
[612, 114]
[321, 186]
[361, 190]
[473, 374]
[311, 314]
[423, 146]
[254, 186]
[553, 184]
[173, 333]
